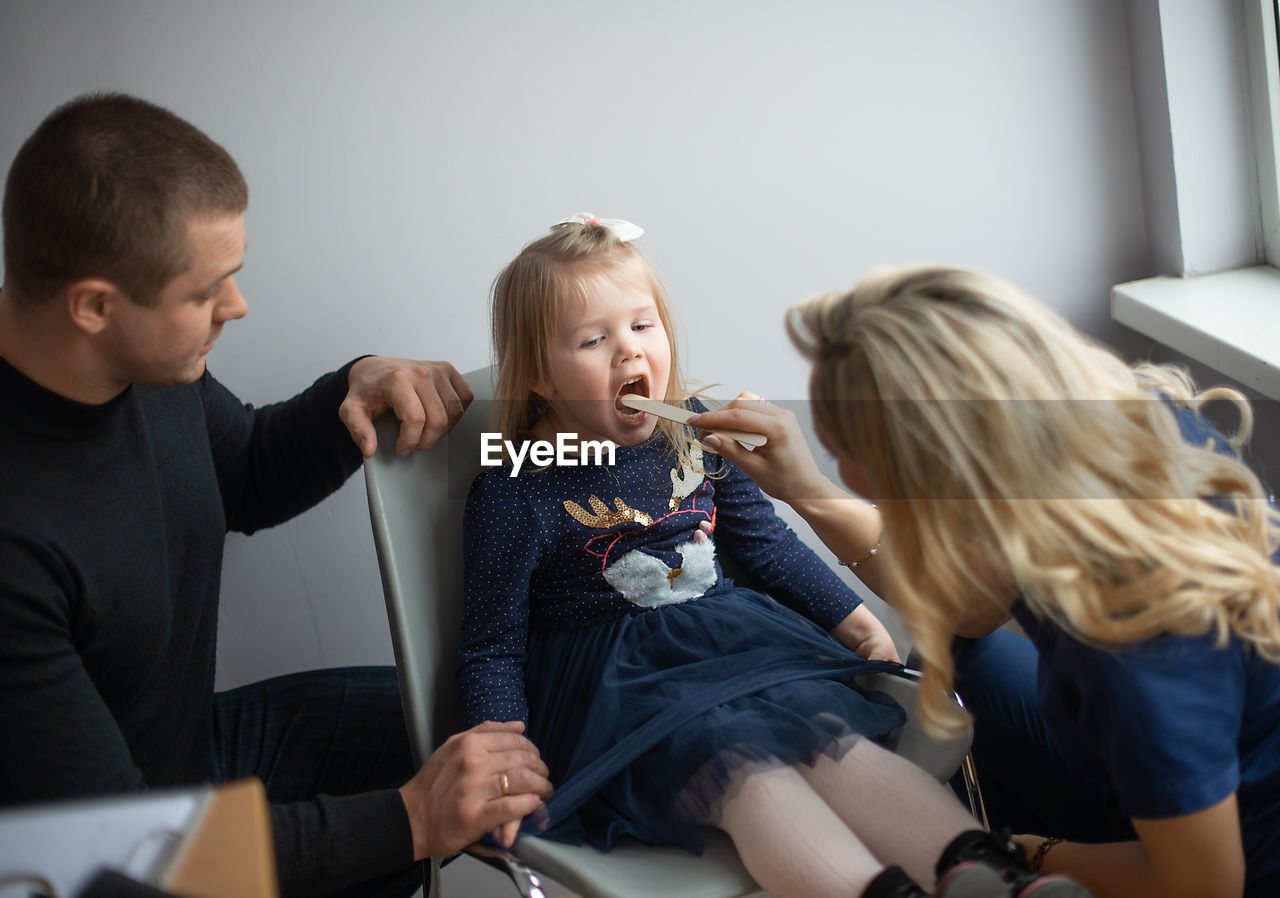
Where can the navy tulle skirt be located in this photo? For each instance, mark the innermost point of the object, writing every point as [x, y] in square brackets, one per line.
[645, 719]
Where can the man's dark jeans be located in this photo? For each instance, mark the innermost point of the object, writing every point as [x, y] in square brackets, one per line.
[324, 732]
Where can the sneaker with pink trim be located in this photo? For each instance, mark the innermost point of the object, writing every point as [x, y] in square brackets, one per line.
[979, 864]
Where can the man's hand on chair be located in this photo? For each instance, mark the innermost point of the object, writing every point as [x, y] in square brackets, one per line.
[482, 779]
[427, 397]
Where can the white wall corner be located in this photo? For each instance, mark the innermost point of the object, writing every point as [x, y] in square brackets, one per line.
[1151, 112]
[1191, 88]
[1263, 61]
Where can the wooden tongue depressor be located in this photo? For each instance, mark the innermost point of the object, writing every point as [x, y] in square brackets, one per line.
[682, 416]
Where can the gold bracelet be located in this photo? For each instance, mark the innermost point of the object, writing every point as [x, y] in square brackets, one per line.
[1037, 859]
[870, 554]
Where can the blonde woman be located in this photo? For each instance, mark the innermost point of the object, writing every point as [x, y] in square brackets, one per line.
[1023, 471]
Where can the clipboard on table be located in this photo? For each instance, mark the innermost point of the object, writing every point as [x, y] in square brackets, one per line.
[207, 842]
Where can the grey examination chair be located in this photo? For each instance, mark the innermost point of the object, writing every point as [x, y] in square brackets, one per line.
[415, 505]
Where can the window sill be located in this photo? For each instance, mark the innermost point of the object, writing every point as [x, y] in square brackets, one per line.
[1229, 321]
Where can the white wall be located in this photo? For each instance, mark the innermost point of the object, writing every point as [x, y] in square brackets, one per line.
[400, 152]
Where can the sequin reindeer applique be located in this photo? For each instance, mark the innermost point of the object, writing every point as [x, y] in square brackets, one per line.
[631, 558]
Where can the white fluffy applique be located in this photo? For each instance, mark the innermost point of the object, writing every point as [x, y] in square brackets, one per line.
[647, 581]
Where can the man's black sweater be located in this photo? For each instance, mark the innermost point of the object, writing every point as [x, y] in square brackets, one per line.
[112, 524]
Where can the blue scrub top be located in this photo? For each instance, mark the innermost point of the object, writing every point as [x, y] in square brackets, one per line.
[1173, 725]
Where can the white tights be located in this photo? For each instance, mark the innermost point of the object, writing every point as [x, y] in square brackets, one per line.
[829, 830]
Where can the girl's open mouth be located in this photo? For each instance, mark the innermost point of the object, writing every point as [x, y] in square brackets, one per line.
[638, 385]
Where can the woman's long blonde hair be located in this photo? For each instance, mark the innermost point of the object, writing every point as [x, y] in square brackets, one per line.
[548, 276]
[1008, 447]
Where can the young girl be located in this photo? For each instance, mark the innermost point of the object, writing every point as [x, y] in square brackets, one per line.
[661, 694]
[1012, 457]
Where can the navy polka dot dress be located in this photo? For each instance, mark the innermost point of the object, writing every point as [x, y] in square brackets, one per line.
[598, 613]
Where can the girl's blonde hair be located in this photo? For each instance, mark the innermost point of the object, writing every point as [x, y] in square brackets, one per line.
[533, 291]
[1000, 437]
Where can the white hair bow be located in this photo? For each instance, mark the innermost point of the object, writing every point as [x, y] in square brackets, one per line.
[622, 229]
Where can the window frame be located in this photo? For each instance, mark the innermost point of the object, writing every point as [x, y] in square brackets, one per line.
[1219, 300]
[1262, 40]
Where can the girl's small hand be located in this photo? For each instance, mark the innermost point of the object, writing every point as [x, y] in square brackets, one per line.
[863, 634]
[506, 833]
[878, 647]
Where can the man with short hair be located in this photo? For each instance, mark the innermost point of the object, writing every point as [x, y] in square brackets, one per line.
[123, 463]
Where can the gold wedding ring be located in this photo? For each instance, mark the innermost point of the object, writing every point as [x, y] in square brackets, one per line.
[505, 783]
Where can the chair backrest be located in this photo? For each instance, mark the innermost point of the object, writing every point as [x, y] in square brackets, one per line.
[415, 506]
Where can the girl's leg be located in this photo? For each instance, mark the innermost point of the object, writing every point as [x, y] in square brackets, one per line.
[898, 811]
[790, 840]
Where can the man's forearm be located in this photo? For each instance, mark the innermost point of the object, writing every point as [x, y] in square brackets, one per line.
[332, 843]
